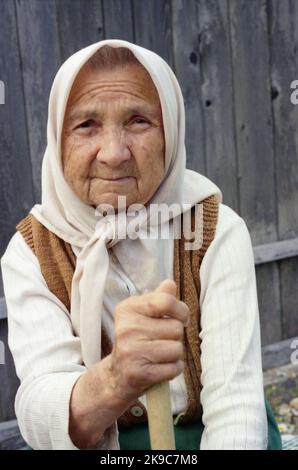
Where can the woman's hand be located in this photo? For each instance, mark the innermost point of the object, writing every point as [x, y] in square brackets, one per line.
[148, 346]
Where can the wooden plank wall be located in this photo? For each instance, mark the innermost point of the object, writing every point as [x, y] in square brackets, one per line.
[234, 59]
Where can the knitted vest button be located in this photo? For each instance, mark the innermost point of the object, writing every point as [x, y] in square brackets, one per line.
[136, 411]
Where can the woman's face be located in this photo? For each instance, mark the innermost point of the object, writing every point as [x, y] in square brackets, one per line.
[113, 140]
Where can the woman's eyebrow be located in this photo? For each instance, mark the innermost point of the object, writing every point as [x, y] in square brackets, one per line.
[95, 113]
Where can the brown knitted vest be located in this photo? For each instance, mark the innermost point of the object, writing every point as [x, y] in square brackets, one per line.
[57, 263]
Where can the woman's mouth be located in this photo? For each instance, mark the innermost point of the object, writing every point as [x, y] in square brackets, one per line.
[121, 180]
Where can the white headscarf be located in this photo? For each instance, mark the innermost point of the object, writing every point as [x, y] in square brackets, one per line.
[63, 213]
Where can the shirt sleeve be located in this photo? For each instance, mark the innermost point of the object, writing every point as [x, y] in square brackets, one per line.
[232, 397]
[46, 352]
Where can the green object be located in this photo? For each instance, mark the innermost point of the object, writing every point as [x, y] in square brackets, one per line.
[188, 436]
[274, 437]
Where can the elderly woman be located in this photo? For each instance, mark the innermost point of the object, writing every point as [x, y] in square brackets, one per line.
[96, 317]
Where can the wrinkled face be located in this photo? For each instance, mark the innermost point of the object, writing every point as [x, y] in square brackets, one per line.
[112, 139]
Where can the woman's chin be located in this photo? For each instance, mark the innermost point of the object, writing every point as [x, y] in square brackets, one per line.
[114, 199]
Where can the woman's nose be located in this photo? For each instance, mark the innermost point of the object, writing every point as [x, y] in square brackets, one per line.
[113, 149]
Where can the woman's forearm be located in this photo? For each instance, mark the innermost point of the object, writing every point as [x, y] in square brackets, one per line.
[94, 405]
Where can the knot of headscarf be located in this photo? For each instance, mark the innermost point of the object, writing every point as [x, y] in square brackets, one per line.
[106, 229]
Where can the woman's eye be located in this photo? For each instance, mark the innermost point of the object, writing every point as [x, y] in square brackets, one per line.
[140, 121]
[86, 124]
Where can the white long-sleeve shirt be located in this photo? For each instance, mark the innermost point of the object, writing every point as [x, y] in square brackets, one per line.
[48, 357]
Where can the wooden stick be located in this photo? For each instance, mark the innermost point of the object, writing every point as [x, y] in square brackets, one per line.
[160, 419]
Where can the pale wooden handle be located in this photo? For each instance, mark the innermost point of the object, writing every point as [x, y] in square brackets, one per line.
[160, 417]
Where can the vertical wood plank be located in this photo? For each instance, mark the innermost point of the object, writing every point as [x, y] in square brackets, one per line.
[16, 191]
[253, 117]
[39, 48]
[267, 276]
[283, 22]
[254, 137]
[217, 97]
[118, 19]
[8, 379]
[80, 24]
[188, 70]
[152, 26]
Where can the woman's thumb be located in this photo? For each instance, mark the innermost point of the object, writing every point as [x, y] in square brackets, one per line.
[168, 286]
